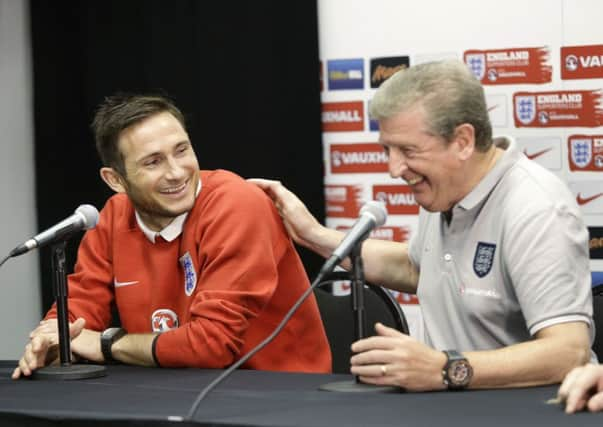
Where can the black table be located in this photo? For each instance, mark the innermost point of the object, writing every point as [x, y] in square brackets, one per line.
[145, 396]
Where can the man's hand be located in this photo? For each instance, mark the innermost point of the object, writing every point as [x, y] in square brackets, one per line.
[87, 345]
[300, 223]
[392, 358]
[42, 348]
[582, 389]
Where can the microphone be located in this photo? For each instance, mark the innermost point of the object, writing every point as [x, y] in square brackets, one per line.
[84, 217]
[372, 215]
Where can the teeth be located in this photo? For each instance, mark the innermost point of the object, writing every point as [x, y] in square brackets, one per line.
[174, 190]
[415, 180]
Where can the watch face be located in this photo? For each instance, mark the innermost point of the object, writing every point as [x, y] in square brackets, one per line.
[460, 372]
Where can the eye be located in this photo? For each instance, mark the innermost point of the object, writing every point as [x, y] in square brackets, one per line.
[182, 149]
[409, 153]
[151, 163]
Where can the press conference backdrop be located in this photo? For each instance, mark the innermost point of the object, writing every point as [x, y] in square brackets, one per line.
[541, 64]
[19, 278]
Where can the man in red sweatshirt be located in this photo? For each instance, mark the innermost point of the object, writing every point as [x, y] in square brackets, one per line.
[197, 262]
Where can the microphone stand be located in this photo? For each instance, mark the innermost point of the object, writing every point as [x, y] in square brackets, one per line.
[357, 291]
[64, 371]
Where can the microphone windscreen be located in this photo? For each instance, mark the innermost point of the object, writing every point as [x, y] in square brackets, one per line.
[90, 214]
[376, 210]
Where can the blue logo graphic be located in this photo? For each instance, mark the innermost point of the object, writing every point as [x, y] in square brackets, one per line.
[484, 258]
[345, 74]
[581, 152]
[525, 107]
[477, 64]
[190, 276]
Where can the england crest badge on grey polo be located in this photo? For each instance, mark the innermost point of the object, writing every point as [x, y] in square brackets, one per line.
[484, 258]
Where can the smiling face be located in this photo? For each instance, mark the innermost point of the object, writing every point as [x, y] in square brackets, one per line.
[161, 169]
[433, 168]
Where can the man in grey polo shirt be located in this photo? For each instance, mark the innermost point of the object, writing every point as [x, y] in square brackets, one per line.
[500, 261]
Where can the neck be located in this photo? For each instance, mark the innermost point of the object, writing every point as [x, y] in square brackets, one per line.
[483, 163]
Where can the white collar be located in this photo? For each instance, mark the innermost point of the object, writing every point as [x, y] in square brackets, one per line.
[172, 230]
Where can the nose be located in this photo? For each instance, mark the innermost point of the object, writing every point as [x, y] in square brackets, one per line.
[396, 163]
[174, 170]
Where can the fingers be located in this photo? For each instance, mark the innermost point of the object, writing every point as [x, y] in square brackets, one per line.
[386, 340]
[579, 386]
[34, 356]
[386, 331]
[373, 357]
[567, 383]
[595, 403]
[270, 187]
[43, 339]
[264, 184]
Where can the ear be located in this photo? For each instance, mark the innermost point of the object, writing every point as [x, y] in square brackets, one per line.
[113, 179]
[464, 137]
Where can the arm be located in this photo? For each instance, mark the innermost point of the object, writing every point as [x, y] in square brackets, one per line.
[417, 367]
[132, 349]
[385, 263]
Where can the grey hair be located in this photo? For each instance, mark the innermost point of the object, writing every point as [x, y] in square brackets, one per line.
[447, 91]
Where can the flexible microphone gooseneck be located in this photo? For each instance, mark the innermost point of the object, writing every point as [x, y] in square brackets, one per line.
[373, 214]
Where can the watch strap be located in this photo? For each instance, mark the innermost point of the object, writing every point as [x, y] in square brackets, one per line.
[108, 338]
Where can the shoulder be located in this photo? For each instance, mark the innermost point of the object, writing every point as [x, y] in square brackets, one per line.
[527, 185]
[229, 186]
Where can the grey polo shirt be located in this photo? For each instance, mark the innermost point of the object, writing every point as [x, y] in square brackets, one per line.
[513, 260]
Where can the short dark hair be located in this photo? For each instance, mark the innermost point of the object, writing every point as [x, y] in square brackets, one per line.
[120, 111]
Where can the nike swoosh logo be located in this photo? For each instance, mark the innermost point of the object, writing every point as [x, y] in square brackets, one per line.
[532, 156]
[120, 284]
[584, 200]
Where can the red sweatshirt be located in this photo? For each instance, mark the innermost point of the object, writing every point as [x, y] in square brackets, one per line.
[217, 290]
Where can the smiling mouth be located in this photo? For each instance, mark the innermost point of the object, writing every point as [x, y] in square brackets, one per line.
[175, 190]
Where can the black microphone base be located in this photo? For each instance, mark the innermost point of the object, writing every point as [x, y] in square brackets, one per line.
[69, 372]
[356, 387]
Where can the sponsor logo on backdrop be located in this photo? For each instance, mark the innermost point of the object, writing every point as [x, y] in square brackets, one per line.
[510, 66]
[343, 201]
[391, 233]
[358, 158]
[373, 124]
[383, 68]
[398, 199]
[589, 196]
[543, 150]
[342, 116]
[497, 109]
[345, 74]
[582, 62]
[558, 108]
[585, 152]
[595, 243]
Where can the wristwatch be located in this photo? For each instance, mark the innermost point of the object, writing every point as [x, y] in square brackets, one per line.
[457, 372]
[108, 338]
